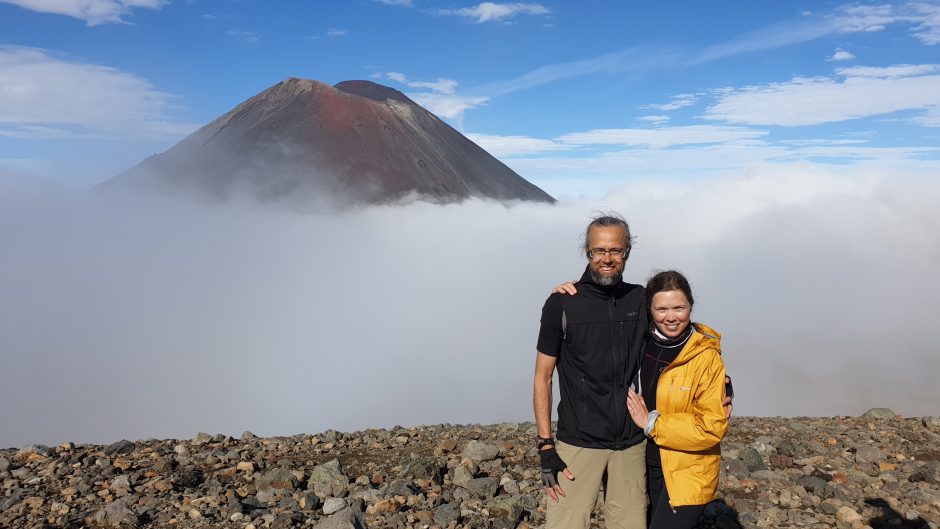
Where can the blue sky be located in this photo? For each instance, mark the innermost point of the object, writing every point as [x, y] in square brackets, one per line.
[577, 97]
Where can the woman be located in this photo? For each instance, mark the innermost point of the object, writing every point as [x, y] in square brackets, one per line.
[682, 380]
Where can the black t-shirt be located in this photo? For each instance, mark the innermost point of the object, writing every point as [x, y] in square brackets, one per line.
[551, 333]
[658, 353]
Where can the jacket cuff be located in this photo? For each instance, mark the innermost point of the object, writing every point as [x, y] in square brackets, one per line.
[651, 422]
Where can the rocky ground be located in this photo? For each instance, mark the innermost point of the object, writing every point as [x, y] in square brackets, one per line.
[877, 470]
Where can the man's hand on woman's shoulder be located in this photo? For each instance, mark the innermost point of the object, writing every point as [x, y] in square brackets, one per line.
[566, 288]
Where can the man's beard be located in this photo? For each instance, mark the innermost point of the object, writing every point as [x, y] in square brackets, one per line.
[607, 281]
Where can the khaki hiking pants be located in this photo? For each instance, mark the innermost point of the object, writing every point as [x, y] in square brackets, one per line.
[624, 495]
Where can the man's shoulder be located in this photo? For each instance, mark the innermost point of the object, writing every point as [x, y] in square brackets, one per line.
[630, 289]
[553, 304]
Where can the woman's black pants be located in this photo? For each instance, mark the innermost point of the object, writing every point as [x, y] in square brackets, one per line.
[662, 515]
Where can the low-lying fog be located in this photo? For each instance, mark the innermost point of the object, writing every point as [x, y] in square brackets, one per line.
[163, 318]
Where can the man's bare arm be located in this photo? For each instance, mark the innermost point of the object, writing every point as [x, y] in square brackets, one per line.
[542, 394]
[542, 402]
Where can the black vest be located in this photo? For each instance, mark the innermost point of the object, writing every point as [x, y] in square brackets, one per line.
[604, 329]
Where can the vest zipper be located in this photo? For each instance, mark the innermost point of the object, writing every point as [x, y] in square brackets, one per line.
[621, 403]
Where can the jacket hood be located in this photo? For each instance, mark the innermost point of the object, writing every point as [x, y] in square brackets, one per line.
[702, 339]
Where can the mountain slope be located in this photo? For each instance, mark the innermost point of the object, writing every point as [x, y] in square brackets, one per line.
[357, 142]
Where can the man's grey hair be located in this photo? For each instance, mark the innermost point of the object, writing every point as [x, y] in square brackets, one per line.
[608, 219]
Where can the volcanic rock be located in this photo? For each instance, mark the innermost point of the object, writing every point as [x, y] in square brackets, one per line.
[332, 505]
[328, 480]
[121, 447]
[278, 478]
[326, 147]
[868, 454]
[345, 519]
[483, 487]
[882, 477]
[479, 451]
[447, 513]
[879, 413]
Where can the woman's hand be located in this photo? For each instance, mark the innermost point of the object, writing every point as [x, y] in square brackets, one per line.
[637, 407]
[566, 288]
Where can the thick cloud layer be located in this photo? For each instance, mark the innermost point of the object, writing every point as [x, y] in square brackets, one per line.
[131, 319]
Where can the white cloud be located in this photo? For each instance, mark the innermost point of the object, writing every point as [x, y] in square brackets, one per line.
[441, 85]
[15, 170]
[931, 118]
[656, 120]
[565, 174]
[810, 101]
[629, 60]
[863, 18]
[662, 137]
[768, 37]
[927, 20]
[846, 152]
[821, 141]
[40, 132]
[93, 12]
[889, 72]
[45, 96]
[447, 105]
[642, 59]
[442, 100]
[841, 55]
[396, 76]
[515, 145]
[336, 32]
[922, 19]
[678, 101]
[493, 12]
[136, 289]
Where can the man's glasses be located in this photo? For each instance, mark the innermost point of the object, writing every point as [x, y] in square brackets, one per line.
[616, 253]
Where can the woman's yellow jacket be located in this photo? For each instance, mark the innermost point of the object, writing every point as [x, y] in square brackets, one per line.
[692, 420]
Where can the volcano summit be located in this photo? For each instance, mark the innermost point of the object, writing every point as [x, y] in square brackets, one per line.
[312, 144]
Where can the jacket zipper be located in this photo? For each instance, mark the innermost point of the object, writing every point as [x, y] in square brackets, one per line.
[621, 406]
[672, 384]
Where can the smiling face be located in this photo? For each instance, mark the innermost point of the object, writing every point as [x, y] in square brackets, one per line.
[671, 312]
[606, 269]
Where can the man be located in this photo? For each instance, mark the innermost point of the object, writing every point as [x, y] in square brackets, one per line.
[594, 338]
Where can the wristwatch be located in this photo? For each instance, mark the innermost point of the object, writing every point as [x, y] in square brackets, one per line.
[543, 441]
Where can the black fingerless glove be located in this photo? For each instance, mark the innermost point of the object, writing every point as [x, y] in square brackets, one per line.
[552, 464]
